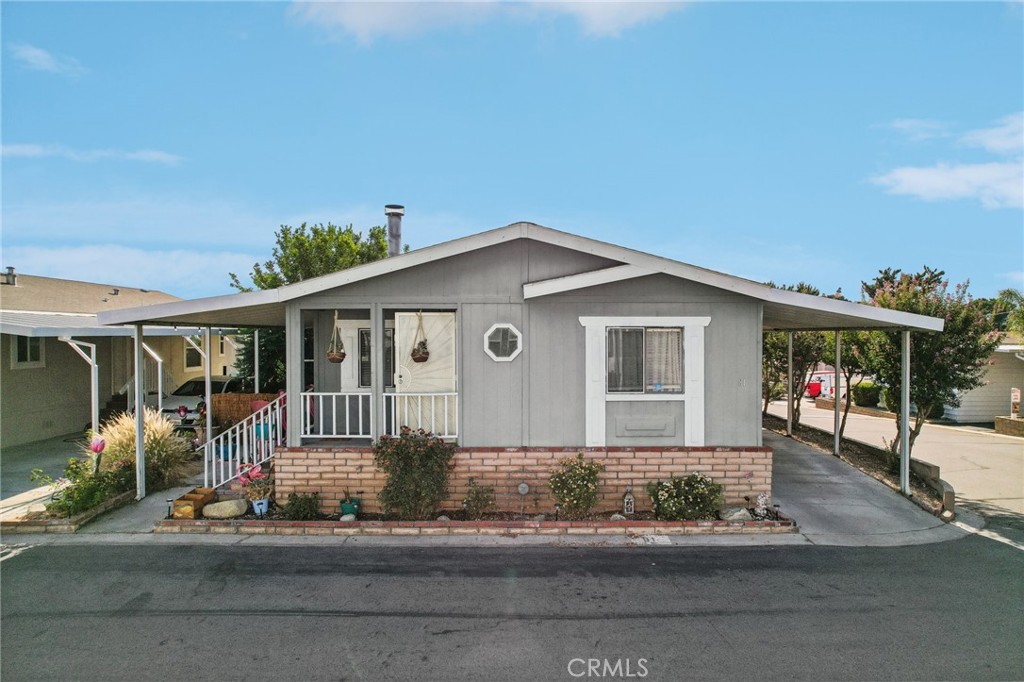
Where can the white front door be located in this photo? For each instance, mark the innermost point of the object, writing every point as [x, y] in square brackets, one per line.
[425, 391]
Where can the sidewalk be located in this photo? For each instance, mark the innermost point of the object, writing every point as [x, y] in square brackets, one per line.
[983, 467]
[833, 503]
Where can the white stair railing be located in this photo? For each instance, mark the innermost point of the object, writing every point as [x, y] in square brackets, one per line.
[254, 440]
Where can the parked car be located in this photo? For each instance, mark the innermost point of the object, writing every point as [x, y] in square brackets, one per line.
[181, 407]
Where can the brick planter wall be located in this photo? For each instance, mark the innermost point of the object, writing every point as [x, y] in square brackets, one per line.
[331, 471]
[1009, 426]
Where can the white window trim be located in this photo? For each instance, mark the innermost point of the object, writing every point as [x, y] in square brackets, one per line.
[40, 363]
[519, 342]
[597, 397]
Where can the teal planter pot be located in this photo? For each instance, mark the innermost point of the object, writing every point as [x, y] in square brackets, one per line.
[351, 507]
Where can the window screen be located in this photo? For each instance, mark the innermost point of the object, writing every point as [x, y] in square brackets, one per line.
[625, 360]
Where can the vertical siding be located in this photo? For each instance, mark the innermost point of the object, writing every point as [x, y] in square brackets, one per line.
[538, 399]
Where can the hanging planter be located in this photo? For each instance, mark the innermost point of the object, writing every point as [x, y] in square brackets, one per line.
[336, 348]
[419, 348]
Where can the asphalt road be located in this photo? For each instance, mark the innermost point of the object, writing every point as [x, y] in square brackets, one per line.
[951, 610]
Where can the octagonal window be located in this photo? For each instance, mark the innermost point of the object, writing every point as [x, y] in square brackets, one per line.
[503, 342]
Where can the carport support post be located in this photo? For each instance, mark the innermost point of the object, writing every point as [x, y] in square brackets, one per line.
[835, 394]
[140, 416]
[209, 384]
[256, 360]
[905, 416]
[789, 384]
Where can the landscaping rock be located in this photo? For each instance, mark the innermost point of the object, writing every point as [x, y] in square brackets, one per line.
[348, 517]
[735, 514]
[442, 517]
[540, 517]
[227, 509]
[617, 517]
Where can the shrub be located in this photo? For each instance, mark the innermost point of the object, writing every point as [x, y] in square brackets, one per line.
[85, 489]
[479, 500]
[300, 507]
[867, 394]
[685, 499]
[167, 453]
[574, 485]
[416, 465]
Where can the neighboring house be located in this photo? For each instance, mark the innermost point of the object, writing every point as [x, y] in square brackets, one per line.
[541, 344]
[45, 385]
[991, 400]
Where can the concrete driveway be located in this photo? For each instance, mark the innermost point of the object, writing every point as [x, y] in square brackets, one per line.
[17, 463]
[986, 469]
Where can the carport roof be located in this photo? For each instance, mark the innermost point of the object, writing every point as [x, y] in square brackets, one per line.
[783, 310]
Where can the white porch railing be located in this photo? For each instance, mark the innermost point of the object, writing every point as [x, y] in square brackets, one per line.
[434, 412]
[251, 441]
[337, 415]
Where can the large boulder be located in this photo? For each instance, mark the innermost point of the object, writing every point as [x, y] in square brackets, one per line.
[228, 509]
[735, 514]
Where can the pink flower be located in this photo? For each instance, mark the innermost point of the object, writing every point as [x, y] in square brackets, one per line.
[182, 411]
[97, 445]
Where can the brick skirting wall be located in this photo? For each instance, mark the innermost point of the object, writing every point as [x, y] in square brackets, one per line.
[1009, 426]
[331, 471]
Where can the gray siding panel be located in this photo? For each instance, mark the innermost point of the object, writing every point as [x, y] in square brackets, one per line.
[491, 392]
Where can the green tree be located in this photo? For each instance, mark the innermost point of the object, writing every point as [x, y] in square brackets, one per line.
[299, 254]
[942, 365]
[807, 353]
[1010, 311]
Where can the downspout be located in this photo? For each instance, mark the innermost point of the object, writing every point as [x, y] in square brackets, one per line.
[256, 359]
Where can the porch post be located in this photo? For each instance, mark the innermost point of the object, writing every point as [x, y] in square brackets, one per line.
[256, 359]
[207, 361]
[835, 394]
[789, 384]
[140, 415]
[905, 416]
[377, 378]
[293, 373]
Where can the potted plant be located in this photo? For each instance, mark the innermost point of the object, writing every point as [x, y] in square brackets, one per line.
[420, 352]
[256, 487]
[349, 504]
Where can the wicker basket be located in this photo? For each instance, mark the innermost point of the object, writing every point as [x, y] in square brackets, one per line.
[335, 356]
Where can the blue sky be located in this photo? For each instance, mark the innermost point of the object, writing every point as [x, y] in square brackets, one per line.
[161, 145]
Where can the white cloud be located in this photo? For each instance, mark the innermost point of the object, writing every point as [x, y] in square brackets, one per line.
[368, 20]
[918, 129]
[38, 59]
[1007, 137]
[186, 272]
[38, 151]
[996, 184]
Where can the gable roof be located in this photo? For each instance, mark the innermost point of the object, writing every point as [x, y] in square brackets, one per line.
[51, 307]
[783, 310]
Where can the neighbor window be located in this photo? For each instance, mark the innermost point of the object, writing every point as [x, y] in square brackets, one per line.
[27, 353]
[503, 342]
[193, 359]
[645, 360]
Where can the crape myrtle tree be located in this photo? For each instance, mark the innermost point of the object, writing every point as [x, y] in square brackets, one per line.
[942, 364]
[299, 254]
[807, 353]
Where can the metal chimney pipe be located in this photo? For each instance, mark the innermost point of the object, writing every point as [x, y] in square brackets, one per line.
[394, 212]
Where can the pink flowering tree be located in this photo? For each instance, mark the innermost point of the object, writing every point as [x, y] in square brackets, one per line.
[942, 364]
